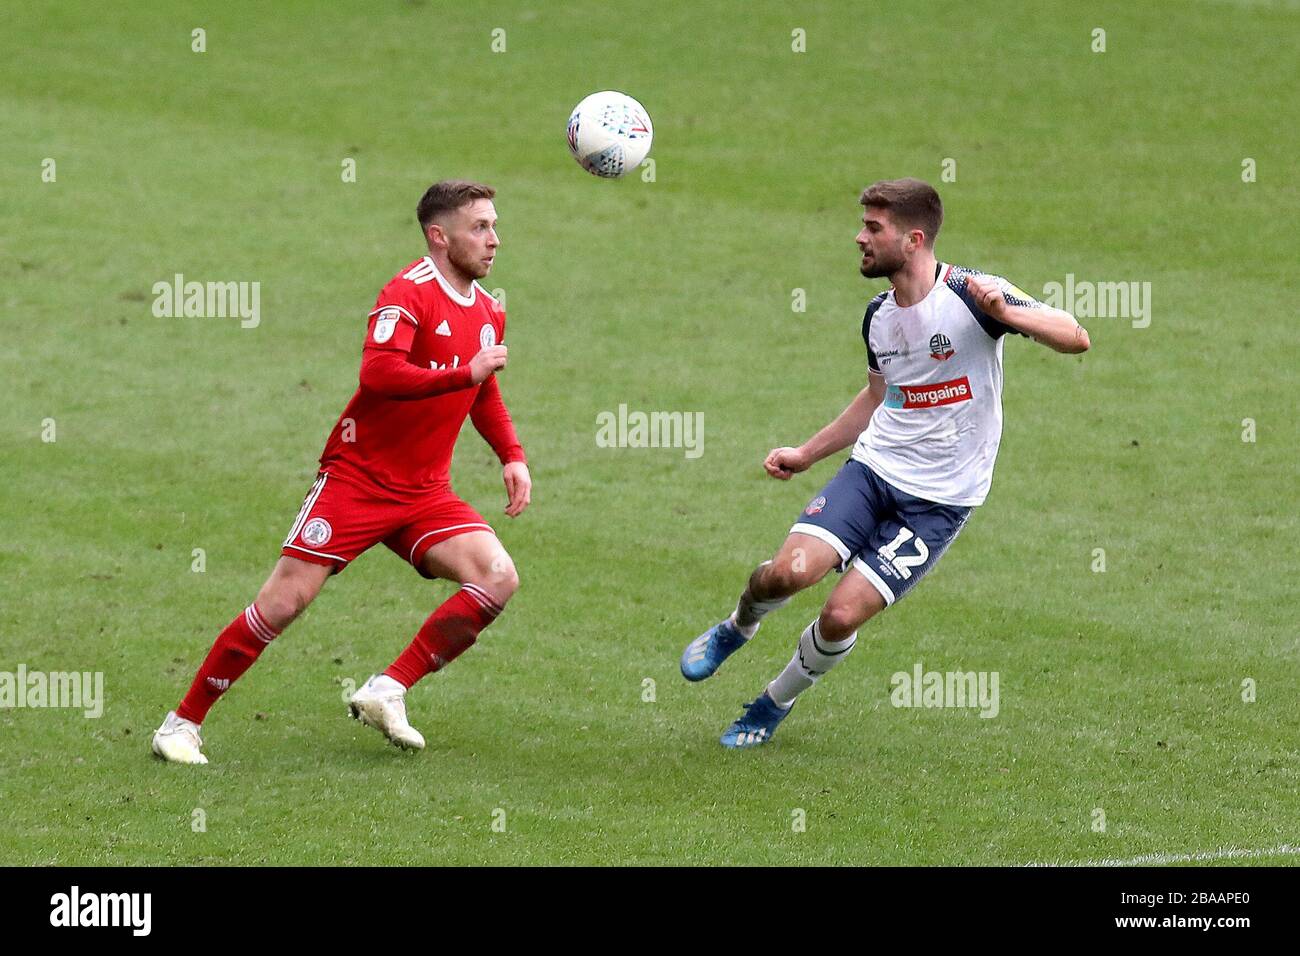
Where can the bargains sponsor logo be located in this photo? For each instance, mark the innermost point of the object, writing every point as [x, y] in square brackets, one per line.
[928, 396]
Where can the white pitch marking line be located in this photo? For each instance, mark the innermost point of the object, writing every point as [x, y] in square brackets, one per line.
[1163, 859]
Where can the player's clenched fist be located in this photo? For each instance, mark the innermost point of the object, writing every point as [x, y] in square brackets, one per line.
[488, 360]
[987, 294]
[783, 463]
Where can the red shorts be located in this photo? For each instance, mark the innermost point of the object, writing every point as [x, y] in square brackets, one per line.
[340, 520]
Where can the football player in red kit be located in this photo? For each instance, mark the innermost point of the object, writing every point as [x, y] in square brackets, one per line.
[434, 343]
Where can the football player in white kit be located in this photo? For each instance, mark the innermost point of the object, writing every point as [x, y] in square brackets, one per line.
[924, 432]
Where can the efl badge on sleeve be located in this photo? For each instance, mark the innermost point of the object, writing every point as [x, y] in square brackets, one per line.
[385, 325]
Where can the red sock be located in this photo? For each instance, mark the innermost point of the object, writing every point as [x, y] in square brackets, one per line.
[448, 633]
[233, 653]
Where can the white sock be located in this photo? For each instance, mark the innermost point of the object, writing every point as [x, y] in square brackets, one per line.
[386, 685]
[813, 657]
[174, 720]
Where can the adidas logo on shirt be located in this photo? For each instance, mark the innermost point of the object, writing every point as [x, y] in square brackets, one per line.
[443, 328]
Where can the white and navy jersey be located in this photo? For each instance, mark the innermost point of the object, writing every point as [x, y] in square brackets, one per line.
[937, 432]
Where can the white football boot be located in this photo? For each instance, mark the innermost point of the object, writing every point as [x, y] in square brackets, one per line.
[381, 703]
[178, 741]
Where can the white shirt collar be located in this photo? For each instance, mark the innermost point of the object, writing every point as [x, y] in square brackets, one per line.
[447, 287]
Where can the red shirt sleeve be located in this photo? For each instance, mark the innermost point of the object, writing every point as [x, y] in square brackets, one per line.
[492, 419]
[385, 367]
[387, 372]
[391, 326]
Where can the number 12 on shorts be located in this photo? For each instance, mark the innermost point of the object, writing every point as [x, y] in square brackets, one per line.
[905, 563]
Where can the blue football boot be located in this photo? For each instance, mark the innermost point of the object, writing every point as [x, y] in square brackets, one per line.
[757, 725]
[705, 654]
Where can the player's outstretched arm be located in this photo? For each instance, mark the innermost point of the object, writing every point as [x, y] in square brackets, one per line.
[784, 463]
[1054, 328]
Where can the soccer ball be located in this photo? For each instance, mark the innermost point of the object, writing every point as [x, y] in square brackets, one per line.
[609, 134]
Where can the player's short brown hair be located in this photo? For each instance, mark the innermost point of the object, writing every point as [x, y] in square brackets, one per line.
[448, 195]
[913, 203]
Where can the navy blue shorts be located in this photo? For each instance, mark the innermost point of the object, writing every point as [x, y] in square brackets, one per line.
[892, 537]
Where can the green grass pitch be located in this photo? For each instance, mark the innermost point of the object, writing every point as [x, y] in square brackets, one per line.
[1121, 691]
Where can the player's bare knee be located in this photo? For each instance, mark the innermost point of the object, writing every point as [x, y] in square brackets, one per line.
[839, 620]
[500, 577]
[504, 584]
[278, 607]
[281, 601]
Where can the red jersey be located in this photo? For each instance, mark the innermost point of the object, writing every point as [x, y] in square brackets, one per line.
[397, 434]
